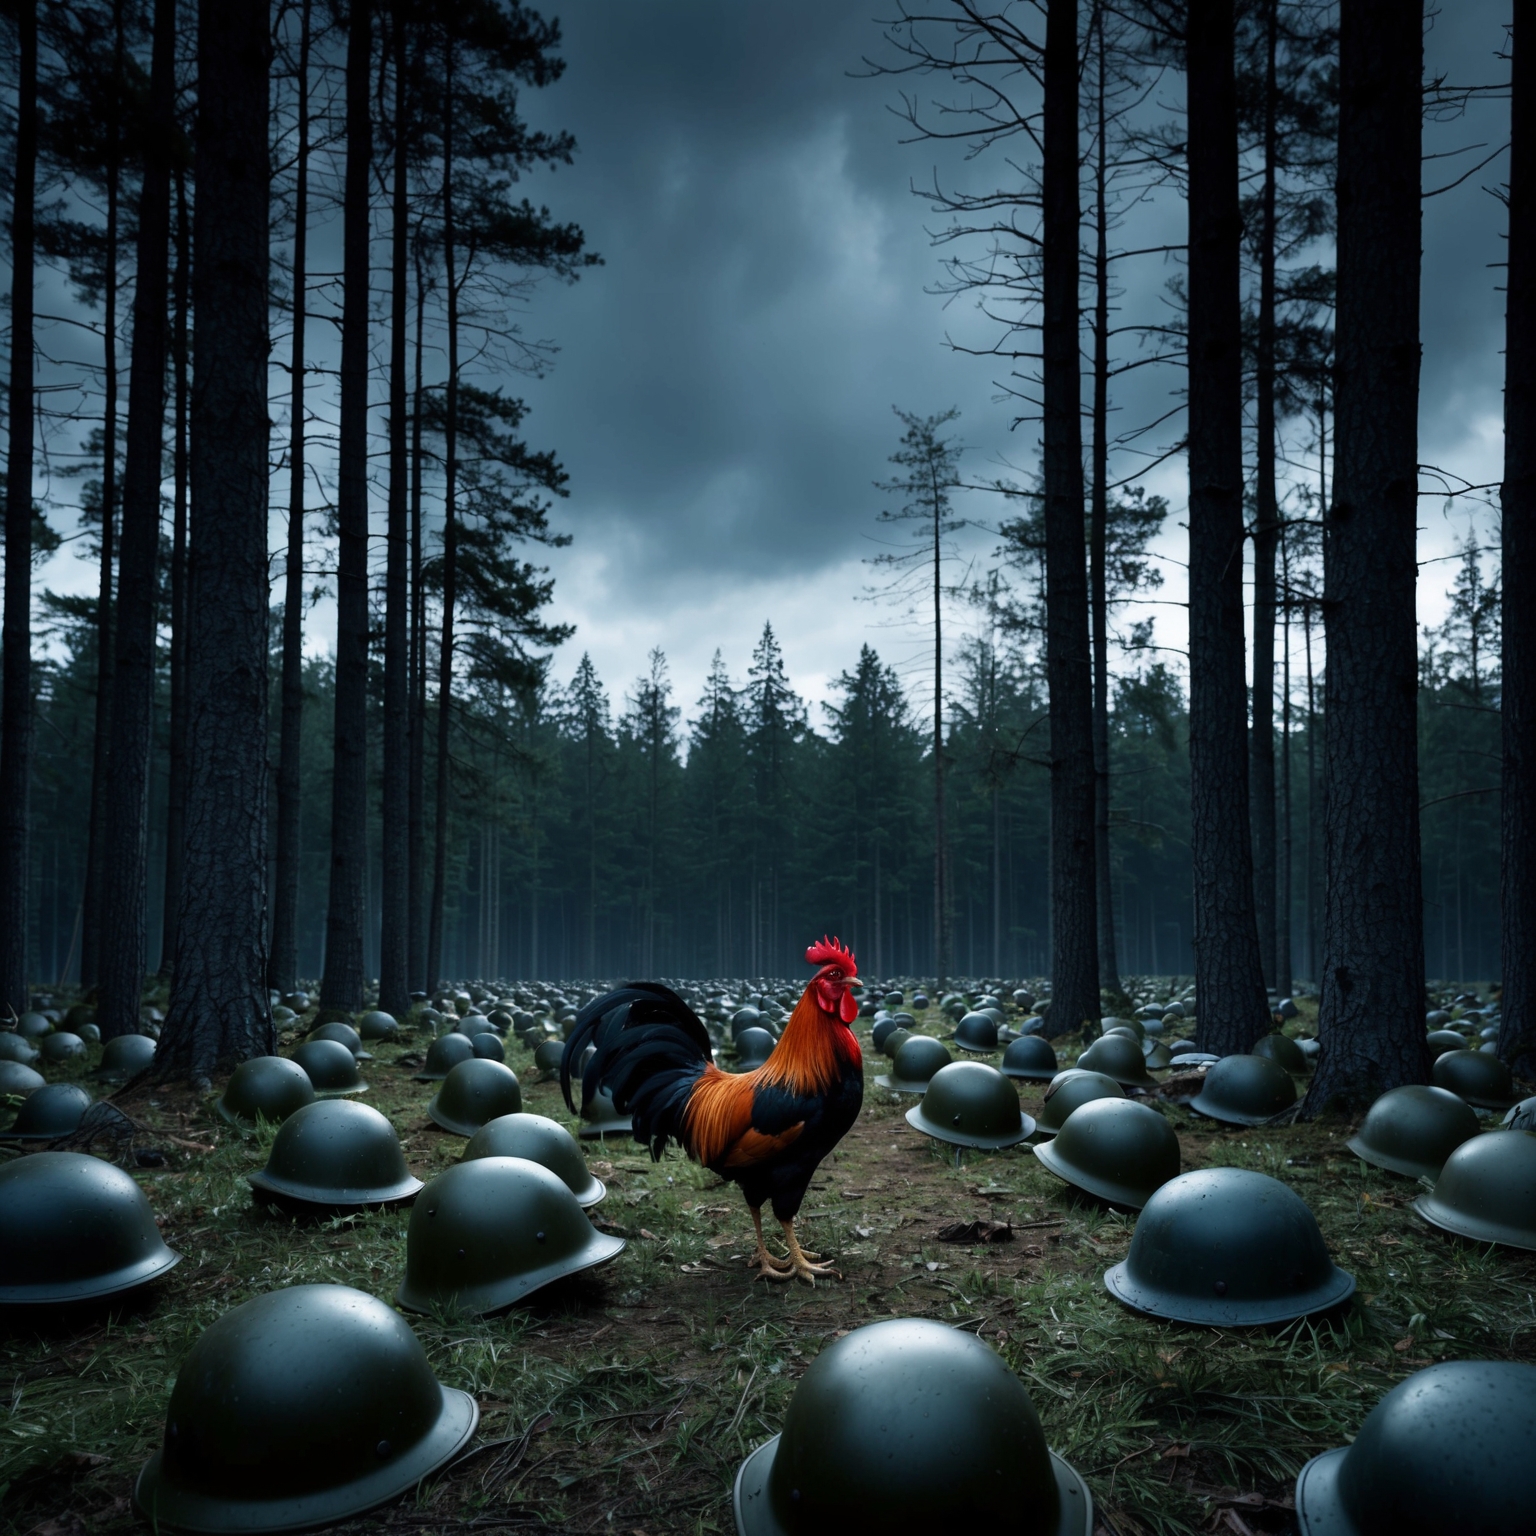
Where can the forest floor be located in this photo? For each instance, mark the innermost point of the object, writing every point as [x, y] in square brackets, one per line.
[624, 1399]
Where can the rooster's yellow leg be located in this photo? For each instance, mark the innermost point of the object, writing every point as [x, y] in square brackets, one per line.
[763, 1261]
[800, 1261]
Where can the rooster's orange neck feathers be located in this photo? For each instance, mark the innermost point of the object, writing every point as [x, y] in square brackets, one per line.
[814, 1052]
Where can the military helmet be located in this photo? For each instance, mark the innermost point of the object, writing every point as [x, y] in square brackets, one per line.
[301, 1408]
[488, 1047]
[377, 1025]
[336, 1152]
[1132, 1027]
[753, 1047]
[1117, 1057]
[600, 1117]
[1282, 1049]
[1440, 1041]
[486, 1233]
[539, 1140]
[443, 1055]
[1156, 1055]
[547, 1054]
[883, 1029]
[1413, 1129]
[34, 1026]
[343, 1034]
[54, 1110]
[914, 1065]
[17, 1078]
[1523, 1116]
[971, 1104]
[125, 1056]
[1069, 1089]
[72, 1228]
[473, 1024]
[265, 1088]
[894, 1041]
[1245, 1090]
[976, 1032]
[473, 1092]
[62, 1045]
[330, 1066]
[1030, 1057]
[1452, 1448]
[1487, 1190]
[1483, 1081]
[1227, 1247]
[1116, 1149]
[908, 1427]
[14, 1047]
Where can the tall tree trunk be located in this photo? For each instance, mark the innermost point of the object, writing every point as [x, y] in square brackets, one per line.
[125, 861]
[283, 969]
[450, 547]
[219, 1011]
[1371, 1020]
[1098, 574]
[1517, 1030]
[394, 977]
[342, 985]
[176, 796]
[16, 724]
[1287, 859]
[1229, 981]
[940, 894]
[101, 737]
[1266, 532]
[416, 913]
[1068, 658]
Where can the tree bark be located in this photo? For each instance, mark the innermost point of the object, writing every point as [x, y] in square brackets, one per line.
[1229, 982]
[1068, 661]
[283, 967]
[125, 861]
[16, 722]
[342, 985]
[416, 913]
[394, 984]
[1371, 1019]
[1266, 533]
[219, 1011]
[1517, 1029]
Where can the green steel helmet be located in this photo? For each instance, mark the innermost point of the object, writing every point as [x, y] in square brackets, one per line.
[342, 1034]
[1118, 1057]
[1133, 1027]
[485, 1234]
[336, 1152]
[914, 1065]
[443, 1055]
[753, 1047]
[1412, 1130]
[1523, 1116]
[14, 1047]
[1116, 1149]
[1452, 1448]
[17, 1078]
[54, 1110]
[600, 1117]
[473, 1092]
[909, 1427]
[473, 1024]
[1440, 1041]
[265, 1088]
[1070, 1089]
[745, 1018]
[1487, 1190]
[33, 1026]
[125, 1056]
[1281, 1048]
[1245, 1090]
[298, 1001]
[547, 1054]
[73, 1228]
[331, 1067]
[976, 1032]
[304, 1407]
[62, 1046]
[971, 1104]
[1032, 1058]
[883, 1031]
[488, 1047]
[1156, 1054]
[1227, 1247]
[1483, 1081]
[78, 1016]
[539, 1140]
[894, 1041]
[378, 1025]
[90, 1033]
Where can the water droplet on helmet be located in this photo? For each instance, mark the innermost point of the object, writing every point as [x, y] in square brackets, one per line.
[1221, 1287]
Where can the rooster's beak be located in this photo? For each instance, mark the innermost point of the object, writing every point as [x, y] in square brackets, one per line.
[854, 984]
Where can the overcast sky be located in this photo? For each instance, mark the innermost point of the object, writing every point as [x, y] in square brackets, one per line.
[723, 394]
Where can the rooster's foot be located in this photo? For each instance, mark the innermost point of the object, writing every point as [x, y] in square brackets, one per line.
[769, 1267]
[803, 1265]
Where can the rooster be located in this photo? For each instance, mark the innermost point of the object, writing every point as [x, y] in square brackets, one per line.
[767, 1130]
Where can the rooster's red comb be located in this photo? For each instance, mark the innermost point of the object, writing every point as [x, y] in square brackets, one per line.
[832, 952]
